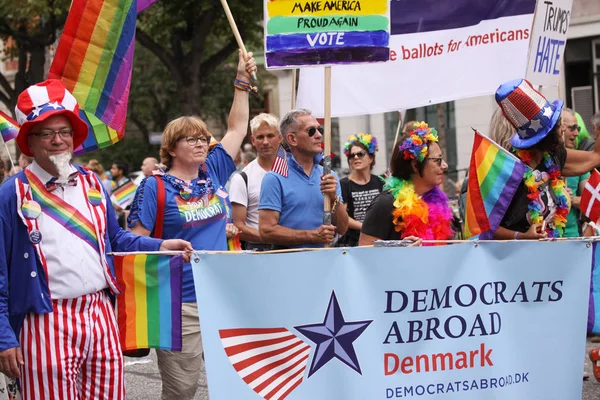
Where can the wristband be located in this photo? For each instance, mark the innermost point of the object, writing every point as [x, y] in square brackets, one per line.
[516, 235]
[245, 86]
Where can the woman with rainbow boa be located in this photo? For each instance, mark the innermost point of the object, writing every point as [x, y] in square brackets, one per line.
[412, 205]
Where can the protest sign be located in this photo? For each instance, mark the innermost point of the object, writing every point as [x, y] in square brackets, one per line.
[468, 321]
[326, 32]
[548, 39]
[439, 51]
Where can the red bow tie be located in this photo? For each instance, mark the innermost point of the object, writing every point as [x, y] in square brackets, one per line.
[52, 185]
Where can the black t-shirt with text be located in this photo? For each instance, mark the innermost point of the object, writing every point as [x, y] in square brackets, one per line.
[358, 198]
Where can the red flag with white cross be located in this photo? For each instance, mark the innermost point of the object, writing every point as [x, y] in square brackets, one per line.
[590, 198]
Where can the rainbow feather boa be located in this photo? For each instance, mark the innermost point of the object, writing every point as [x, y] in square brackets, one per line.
[427, 217]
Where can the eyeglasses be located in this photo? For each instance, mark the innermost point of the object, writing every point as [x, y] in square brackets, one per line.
[49, 134]
[574, 128]
[437, 160]
[360, 154]
[193, 140]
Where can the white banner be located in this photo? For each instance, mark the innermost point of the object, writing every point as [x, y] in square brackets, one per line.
[429, 65]
[548, 40]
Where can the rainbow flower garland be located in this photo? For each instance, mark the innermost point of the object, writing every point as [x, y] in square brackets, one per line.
[366, 139]
[416, 146]
[427, 217]
[557, 183]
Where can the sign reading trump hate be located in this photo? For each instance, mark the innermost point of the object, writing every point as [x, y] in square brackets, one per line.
[466, 321]
[548, 40]
[325, 32]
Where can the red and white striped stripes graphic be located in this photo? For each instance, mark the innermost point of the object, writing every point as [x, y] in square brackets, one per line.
[280, 166]
[271, 361]
[73, 352]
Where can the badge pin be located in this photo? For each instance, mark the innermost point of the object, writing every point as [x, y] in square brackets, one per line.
[186, 195]
[35, 236]
[31, 209]
[94, 197]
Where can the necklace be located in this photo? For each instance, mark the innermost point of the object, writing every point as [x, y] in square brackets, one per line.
[557, 184]
[427, 217]
[199, 188]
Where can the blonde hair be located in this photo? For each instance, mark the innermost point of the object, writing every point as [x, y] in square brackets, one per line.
[177, 129]
[409, 126]
[263, 118]
[501, 130]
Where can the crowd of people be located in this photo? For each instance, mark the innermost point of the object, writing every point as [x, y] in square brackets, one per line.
[196, 197]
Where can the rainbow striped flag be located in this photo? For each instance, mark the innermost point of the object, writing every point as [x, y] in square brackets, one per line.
[124, 194]
[94, 60]
[9, 128]
[494, 176]
[149, 306]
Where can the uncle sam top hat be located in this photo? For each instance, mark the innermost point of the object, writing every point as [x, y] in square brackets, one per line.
[528, 111]
[42, 101]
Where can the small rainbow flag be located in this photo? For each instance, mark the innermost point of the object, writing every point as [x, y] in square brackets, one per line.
[494, 176]
[94, 60]
[149, 307]
[9, 128]
[124, 194]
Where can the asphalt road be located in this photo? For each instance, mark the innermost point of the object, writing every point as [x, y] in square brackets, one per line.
[143, 380]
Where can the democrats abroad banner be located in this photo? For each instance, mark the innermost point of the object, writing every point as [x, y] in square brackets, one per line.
[485, 321]
[440, 50]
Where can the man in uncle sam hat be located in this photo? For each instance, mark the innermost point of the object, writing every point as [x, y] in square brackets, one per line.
[541, 203]
[58, 333]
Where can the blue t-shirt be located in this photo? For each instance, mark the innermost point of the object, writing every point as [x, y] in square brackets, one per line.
[200, 220]
[297, 198]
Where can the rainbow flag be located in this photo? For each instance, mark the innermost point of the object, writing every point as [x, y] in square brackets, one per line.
[149, 306]
[94, 60]
[494, 176]
[9, 128]
[124, 194]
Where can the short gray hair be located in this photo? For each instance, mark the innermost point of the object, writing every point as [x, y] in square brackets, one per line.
[263, 118]
[289, 119]
[596, 120]
[568, 110]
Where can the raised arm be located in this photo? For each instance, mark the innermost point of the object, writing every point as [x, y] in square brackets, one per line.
[237, 124]
[579, 162]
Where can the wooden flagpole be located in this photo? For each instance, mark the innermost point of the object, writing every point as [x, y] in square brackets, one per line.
[236, 32]
[294, 88]
[399, 128]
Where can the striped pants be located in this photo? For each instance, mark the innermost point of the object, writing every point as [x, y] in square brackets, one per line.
[73, 352]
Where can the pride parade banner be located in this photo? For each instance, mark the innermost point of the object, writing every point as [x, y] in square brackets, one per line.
[468, 321]
[548, 39]
[326, 32]
[439, 51]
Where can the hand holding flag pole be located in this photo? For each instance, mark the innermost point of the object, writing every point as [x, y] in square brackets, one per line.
[236, 33]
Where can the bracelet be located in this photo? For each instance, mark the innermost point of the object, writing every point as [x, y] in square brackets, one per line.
[245, 86]
[516, 235]
[335, 203]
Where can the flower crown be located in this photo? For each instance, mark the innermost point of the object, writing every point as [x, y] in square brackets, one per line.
[366, 139]
[416, 145]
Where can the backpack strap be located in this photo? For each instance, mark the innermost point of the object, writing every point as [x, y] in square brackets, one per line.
[245, 178]
[161, 196]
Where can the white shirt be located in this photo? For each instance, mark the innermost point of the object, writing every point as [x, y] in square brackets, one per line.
[74, 268]
[248, 197]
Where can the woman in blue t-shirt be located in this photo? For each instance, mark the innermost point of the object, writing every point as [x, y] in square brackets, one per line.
[195, 209]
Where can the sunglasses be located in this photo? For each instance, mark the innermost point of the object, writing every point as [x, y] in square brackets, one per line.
[360, 154]
[437, 160]
[574, 128]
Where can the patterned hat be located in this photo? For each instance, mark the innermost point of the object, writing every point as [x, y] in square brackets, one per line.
[43, 100]
[528, 111]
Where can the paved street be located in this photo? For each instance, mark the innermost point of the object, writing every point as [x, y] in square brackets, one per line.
[143, 380]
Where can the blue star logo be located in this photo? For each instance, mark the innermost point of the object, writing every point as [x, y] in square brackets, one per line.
[334, 338]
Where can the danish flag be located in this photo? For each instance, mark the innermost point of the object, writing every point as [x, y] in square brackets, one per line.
[590, 198]
[271, 361]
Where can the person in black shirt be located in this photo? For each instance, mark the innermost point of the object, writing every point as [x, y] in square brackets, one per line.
[540, 205]
[361, 186]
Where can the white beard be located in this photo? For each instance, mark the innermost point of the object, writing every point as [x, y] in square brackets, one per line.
[62, 164]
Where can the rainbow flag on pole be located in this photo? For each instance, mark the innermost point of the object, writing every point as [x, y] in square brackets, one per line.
[124, 194]
[149, 307]
[494, 176]
[9, 128]
[94, 60]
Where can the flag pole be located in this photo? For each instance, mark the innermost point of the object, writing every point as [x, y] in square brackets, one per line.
[294, 88]
[236, 32]
[327, 219]
[9, 156]
[398, 128]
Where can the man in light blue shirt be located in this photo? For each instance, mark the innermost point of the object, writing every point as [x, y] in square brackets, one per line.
[291, 207]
